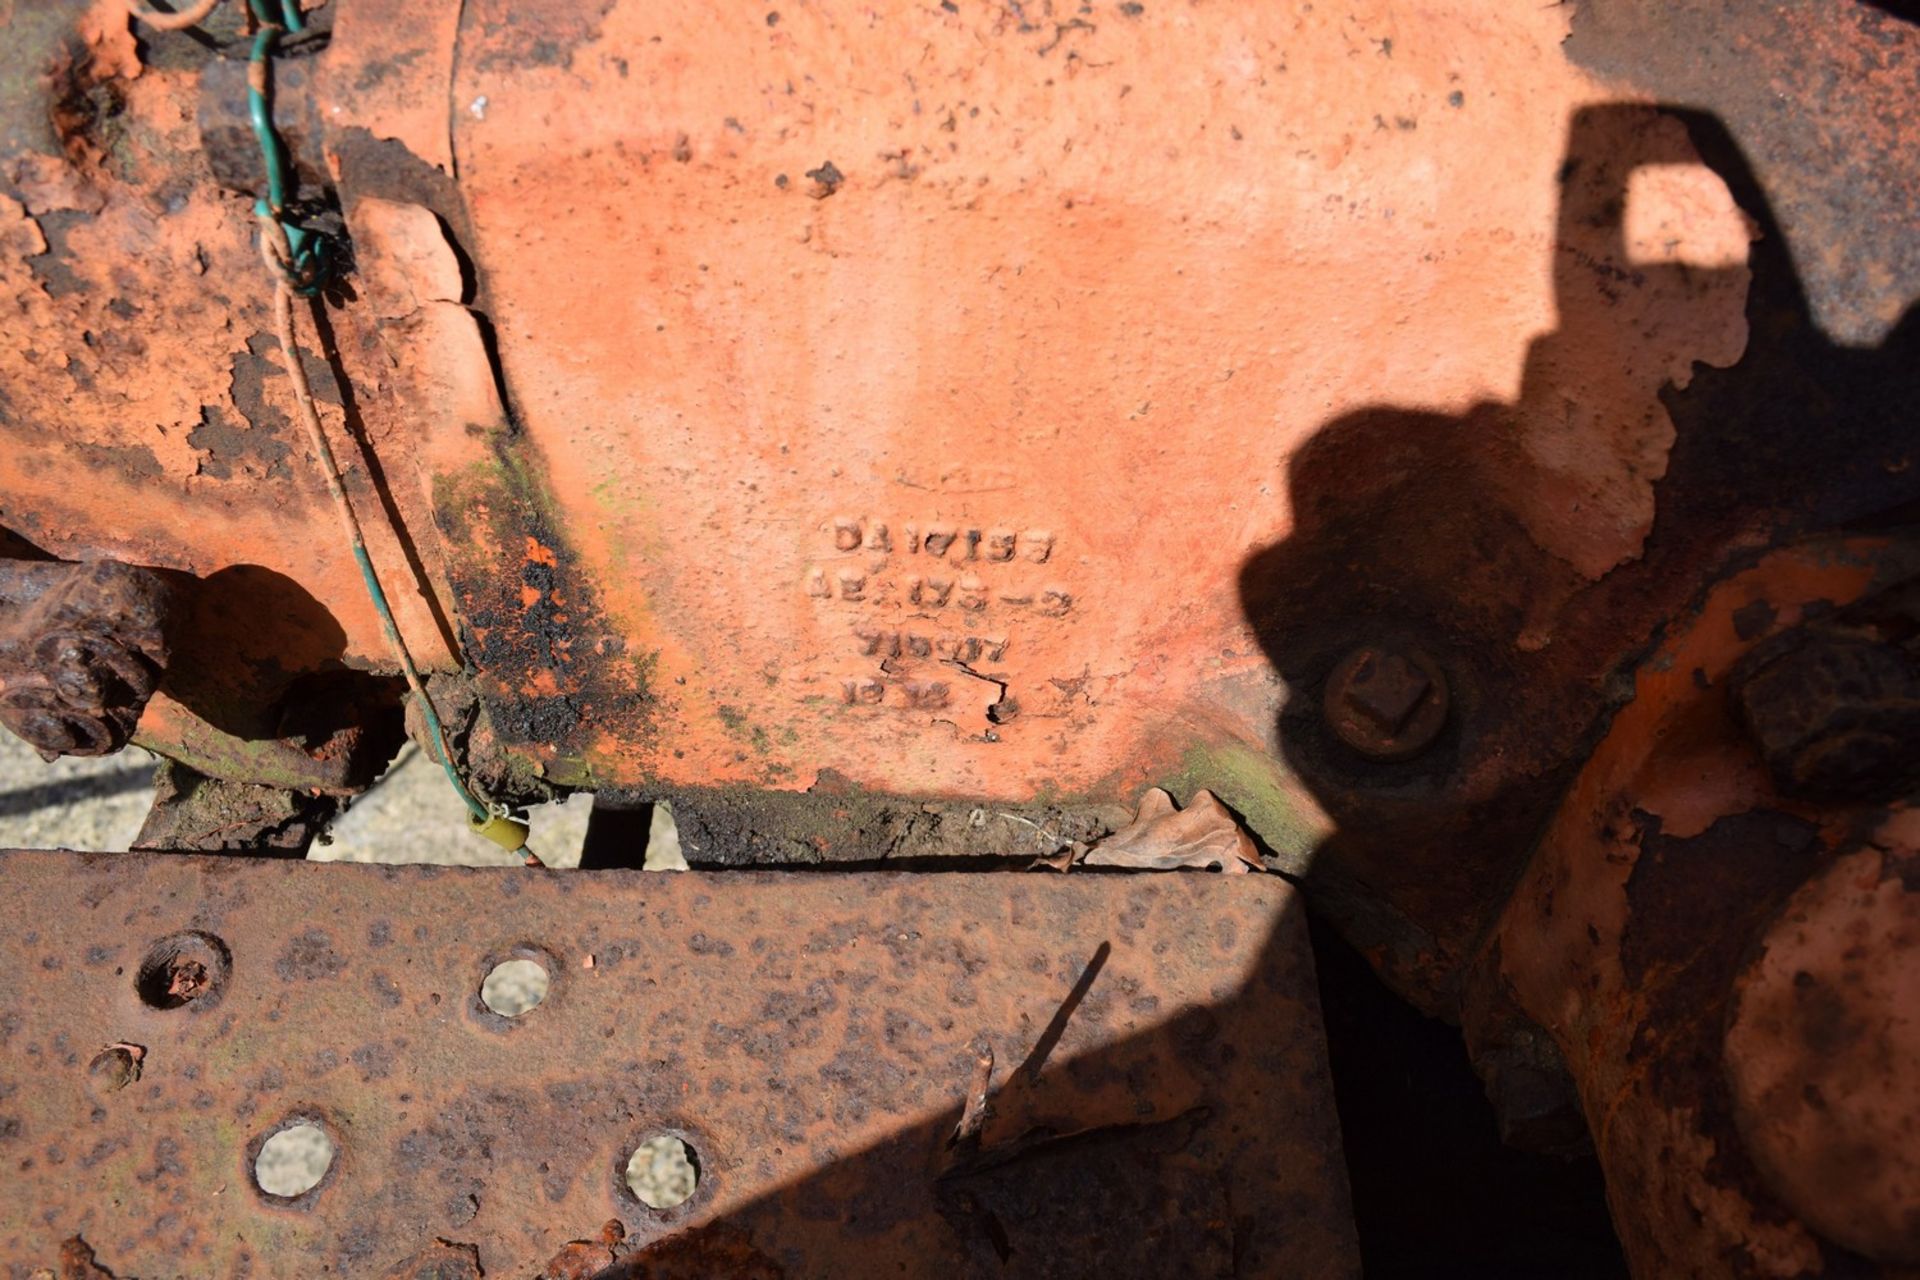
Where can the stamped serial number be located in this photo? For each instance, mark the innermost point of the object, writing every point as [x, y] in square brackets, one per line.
[943, 541]
[939, 566]
[924, 598]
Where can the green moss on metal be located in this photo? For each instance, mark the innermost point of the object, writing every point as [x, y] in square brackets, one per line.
[269, 762]
[1257, 787]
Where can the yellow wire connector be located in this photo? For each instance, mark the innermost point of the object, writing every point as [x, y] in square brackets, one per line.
[502, 829]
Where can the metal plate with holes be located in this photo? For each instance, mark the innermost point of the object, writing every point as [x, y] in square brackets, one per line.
[1160, 1090]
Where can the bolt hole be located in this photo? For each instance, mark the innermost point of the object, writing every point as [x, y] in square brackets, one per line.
[182, 969]
[513, 987]
[293, 1161]
[663, 1172]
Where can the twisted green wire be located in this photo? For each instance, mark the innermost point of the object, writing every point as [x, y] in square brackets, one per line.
[308, 251]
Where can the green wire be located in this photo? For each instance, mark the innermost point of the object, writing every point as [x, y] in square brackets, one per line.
[367, 575]
[289, 16]
[309, 264]
[303, 274]
[309, 251]
[258, 114]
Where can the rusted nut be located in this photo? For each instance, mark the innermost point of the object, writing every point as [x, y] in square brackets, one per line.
[1836, 717]
[1385, 703]
[1820, 1044]
[81, 651]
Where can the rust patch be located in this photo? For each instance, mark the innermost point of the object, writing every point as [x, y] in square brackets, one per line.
[1670, 856]
[133, 285]
[1818, 1029]
[586, 1259]
[828, 1151]
[545, 651]
[82, 649]
[78, 1261]
[441, 1260]
[1841, 164]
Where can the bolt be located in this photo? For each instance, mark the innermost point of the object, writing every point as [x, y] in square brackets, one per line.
[1387, 704]
[186, 978]
[116, 1066]
[1835, 716]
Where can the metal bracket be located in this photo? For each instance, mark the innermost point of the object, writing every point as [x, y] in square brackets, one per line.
[1162, 1097]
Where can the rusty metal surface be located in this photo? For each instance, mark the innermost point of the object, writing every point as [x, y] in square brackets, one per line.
[1674, 866]
[1160, 1101]
[144, 414]
[82, 648]
[1823, 1034]
[822, 505]
[1821, 93]
[1080, 326]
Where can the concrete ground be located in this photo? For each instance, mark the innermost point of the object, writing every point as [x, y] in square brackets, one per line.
[410, 815]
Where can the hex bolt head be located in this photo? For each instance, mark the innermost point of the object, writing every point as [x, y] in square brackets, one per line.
[1386, 703]
[1835, 717]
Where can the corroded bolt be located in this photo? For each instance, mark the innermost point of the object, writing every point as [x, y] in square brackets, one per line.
[82, 647]
[186, 979]
[1387, 704]
[1835, 716]
[116, 1066]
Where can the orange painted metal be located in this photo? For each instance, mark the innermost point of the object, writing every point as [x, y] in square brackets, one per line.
[1674, 862]
[943, 404]
[913, 384]
[903, 388]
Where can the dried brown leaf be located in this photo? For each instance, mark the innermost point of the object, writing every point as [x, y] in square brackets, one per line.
[1061, 859]
[1162, 838]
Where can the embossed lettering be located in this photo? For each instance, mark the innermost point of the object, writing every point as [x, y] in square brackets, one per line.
[874, 642]
[863, 693]
[878, 643]
[988, 648]
[846, 533]
[926, 693]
